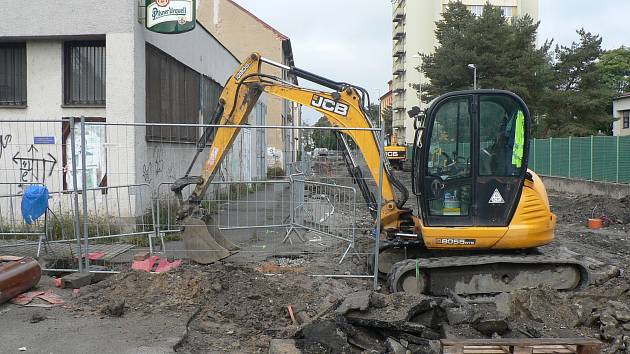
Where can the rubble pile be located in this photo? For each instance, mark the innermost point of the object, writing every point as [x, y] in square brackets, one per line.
[371, 322]
[577, 209]
[606, 308]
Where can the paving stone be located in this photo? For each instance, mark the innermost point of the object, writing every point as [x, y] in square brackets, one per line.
[359, 300]
[76, 280]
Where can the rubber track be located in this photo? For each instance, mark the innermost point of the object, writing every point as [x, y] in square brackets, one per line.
[395, 243]
[463, 261]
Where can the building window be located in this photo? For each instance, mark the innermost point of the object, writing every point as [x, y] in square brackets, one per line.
[12, 74]
[172, 97]
[476, 10]
[626, 119]
[96, 154]
[84, 73]
[507, 11]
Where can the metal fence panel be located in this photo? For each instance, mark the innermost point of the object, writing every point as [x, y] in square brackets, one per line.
[623, 166]
[604, 158]
[559, 158]
[542, 153]
[596, 158]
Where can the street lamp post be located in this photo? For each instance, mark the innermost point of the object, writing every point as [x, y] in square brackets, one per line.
[474, 68]
[417, 56]
[378, 99]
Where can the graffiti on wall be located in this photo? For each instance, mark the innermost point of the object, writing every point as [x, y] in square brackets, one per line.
[4, 142]
[154, 167]
[34, 167]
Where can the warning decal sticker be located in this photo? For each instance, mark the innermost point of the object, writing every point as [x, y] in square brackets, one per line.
[496, 198]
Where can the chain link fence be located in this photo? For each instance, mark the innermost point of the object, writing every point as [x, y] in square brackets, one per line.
[109, 196]
[594, 158]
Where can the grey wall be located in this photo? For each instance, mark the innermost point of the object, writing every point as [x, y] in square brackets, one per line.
[577, 186]
[67, 17]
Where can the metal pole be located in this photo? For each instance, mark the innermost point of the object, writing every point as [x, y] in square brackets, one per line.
[77, 228]
[535, 165]
[569, 157]
[550, 149]
[617, 174]
[84, 192]
[591, 157]
[550, 155]
[379, 201]
[475, 78]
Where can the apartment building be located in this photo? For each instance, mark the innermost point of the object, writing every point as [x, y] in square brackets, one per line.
[413, 33]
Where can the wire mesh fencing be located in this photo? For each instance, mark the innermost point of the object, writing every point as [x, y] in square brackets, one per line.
[593, 158]
[284, 207]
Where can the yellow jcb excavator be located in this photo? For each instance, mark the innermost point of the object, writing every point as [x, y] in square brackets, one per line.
[482, 213]
[396, 154]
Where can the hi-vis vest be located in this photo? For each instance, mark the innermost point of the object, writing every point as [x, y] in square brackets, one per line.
[519, 140]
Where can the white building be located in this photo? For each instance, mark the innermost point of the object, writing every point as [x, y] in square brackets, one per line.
[96, 59]
[621, 114]
[413, 33]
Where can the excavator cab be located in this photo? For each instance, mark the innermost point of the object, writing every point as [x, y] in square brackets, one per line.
[470, 159]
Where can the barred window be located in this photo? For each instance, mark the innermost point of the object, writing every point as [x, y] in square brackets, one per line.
[84, 73]
[12, 74]
[172, 97]
[626, 119]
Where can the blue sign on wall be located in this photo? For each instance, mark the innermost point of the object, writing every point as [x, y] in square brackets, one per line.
[44, 140]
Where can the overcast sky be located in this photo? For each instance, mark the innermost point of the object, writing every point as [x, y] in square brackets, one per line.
[350, 40]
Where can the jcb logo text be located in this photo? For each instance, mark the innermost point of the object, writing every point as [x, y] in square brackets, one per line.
[330, 105]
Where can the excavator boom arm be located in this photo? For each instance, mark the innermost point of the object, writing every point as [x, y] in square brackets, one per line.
[343, 108]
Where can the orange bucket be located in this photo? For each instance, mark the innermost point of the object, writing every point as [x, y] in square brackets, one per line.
[594, 224]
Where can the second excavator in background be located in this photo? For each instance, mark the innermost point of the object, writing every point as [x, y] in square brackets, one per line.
[482, 213]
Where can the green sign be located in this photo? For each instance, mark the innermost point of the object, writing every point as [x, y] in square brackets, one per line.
[170, 16]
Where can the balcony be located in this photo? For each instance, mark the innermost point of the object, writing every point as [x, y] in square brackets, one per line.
[399, 48]
[399, 12]
[399, 67]
[398, 86]
[398, 103]
[399, 31]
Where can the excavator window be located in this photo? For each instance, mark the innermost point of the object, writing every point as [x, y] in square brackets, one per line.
[474, 158]
[449, 159]
[500, 121]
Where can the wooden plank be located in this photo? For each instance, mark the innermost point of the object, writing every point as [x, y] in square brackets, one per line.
[552, 351]
[522, 341]
[523, 350]
[454, 349]
[553, 347]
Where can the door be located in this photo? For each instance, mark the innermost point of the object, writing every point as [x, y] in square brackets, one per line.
[448, 173]
[502, 162]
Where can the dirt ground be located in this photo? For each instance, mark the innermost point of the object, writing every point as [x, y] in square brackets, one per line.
[240, 305]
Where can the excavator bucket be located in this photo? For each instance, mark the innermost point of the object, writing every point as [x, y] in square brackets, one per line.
[204, 242]
[219, 237]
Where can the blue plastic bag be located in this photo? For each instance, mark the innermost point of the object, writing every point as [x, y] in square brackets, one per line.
[34, 203]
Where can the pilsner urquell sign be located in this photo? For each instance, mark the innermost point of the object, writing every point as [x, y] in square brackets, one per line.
[170, 16]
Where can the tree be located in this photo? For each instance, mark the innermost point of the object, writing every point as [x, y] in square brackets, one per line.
[615, 68]
[579, 99]
[324, 138]
[386, 116]
[374, 114]
[505, 54]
